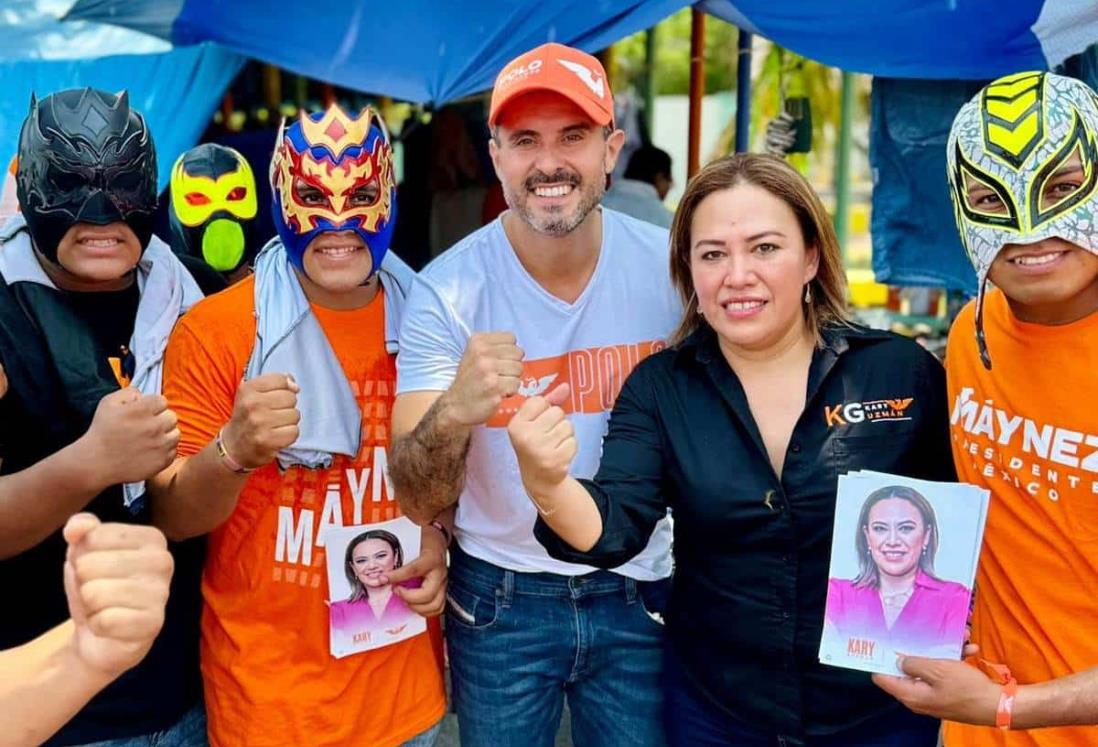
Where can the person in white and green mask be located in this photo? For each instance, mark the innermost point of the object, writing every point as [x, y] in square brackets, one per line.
[1021, 362]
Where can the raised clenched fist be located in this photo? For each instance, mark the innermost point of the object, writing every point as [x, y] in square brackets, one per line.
[264, 421]
[132, 436]
[544, 440]
[116, 581]
[490, 371]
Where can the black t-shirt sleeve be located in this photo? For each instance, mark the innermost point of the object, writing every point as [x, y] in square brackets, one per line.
[628, 488]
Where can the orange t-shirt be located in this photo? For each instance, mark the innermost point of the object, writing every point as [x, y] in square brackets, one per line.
[269, 677]
[1028, 431]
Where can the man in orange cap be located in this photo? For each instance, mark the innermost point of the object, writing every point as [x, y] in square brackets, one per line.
[585, 292]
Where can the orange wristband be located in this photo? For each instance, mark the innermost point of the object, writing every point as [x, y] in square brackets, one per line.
[1005, 712]
[1001, 675]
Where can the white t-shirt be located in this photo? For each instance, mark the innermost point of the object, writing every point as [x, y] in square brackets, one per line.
[625, 313]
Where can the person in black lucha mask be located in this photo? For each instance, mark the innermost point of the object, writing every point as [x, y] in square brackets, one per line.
[212, 212]
[88, 297]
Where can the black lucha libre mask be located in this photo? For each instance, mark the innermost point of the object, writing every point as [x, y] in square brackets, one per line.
[85, 157]
[213, 207]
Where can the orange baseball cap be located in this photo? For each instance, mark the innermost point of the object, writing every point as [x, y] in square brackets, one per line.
[576, 75]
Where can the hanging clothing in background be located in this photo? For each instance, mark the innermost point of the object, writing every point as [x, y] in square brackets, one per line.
[915, 239]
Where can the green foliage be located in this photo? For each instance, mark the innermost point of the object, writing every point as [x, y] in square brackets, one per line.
[672, 64]
[775, 70]
[781, 69]
[785, 72]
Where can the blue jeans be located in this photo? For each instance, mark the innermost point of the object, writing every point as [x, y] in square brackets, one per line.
[692, 721]
[189, 731]
[519, 642]
[427, 738]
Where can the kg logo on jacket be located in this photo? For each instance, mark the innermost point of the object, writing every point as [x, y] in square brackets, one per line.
[876, 410]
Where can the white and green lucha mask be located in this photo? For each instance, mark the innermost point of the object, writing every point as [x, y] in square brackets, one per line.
[1011, 139]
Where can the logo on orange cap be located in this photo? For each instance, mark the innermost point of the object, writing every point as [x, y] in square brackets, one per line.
[567, 71]
[589, 78]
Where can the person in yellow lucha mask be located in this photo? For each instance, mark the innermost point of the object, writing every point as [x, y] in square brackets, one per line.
[212, 212]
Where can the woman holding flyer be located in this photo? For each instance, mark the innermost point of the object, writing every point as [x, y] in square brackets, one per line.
[742, 427]
[897, 600]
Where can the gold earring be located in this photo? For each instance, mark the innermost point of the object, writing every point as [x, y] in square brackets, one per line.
[808, 292]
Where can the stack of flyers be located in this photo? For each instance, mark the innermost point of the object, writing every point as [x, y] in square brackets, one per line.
[364, 610]
[903, 561]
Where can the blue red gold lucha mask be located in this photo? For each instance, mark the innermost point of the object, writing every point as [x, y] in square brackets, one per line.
[331, 173]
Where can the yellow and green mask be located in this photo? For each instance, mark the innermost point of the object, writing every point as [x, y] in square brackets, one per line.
[213, 207]
[1011, 139]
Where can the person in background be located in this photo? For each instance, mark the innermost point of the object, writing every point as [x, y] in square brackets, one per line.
[457, 191]
[645, 185]
[212, 214]
[742, 428]
[1023, 175]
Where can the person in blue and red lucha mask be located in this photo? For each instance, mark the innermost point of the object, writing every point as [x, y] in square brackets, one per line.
[314, 331]
[324, 186]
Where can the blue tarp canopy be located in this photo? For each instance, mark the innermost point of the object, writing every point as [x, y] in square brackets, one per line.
[438, 50]
[941, 39]
[435, 51]
[177, 89]
[426, 51]
[187, 53]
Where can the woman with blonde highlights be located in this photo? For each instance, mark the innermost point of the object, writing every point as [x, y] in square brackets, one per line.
[824, 292]
[741, 428]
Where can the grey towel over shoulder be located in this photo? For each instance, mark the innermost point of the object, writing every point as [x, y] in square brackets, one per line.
[289, 340]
